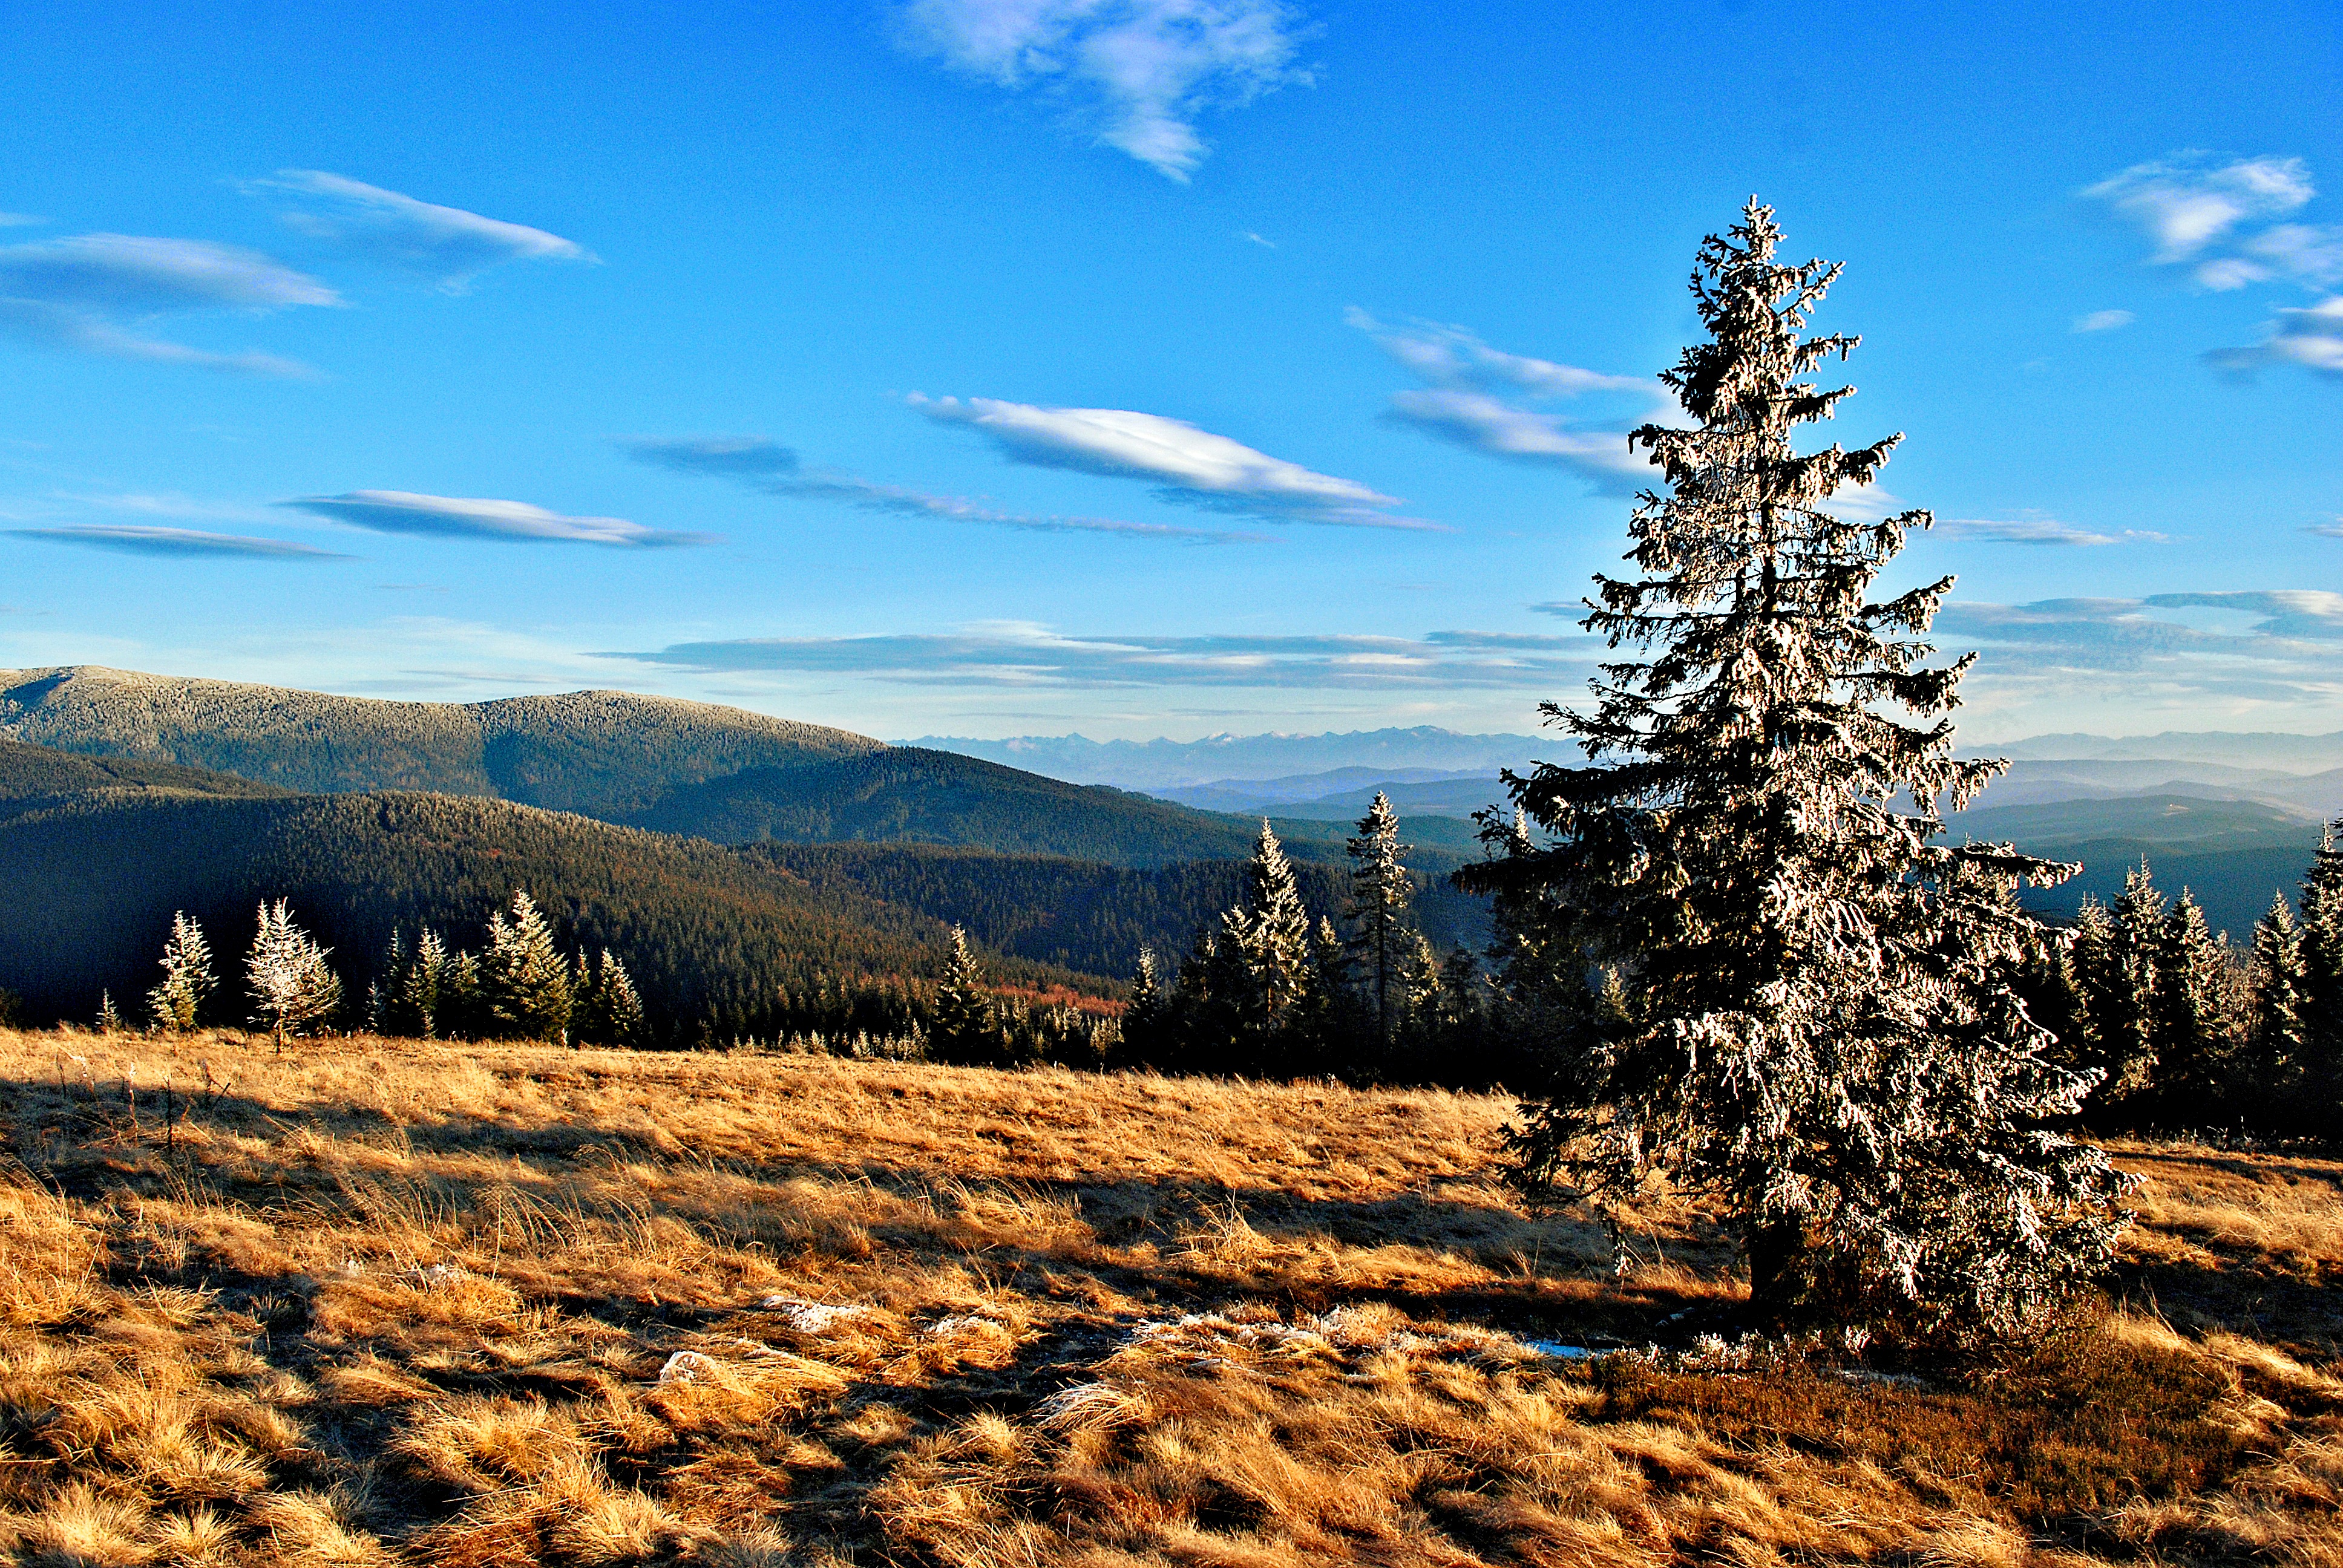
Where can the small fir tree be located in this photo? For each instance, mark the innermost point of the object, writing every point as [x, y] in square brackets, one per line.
[1381, 890]
[525, 983]
[292, 986]
[967, 1025]
[613, 1008]
[109, 1021]
[187, 975]
[1145, 1015]
[1818, 1025]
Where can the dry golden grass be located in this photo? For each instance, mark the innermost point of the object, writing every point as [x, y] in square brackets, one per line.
[388, 1302]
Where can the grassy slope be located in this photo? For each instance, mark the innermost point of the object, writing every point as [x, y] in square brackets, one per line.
[380, 1302]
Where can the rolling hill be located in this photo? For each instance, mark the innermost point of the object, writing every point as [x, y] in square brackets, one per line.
[720, 944]
[698, 769]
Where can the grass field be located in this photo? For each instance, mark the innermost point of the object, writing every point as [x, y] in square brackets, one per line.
[387, 1301]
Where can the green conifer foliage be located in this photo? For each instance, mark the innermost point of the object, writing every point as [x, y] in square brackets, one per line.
[967, 1028]
[2195, 1014]
[1819, 1027]
[1381, 890]
[2273, 1069]
[2322, 979]
[525, 983]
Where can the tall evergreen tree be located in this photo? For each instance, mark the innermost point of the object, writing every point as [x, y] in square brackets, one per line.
[292, 985]
[2275, 1033]
[2197, 1017]
[2117, 957]
[1144, 1016]
[1381, 890]
[2322, 981]
[188, 977]
[525, 981]
[1819, 1027]
[1263, 959]
[611, 1010]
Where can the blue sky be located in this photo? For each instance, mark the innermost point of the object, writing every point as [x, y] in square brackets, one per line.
[1139, 366]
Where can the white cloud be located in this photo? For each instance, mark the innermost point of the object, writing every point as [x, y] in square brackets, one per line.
[445, 244]
[1193, 465]
[772, 468]
[1022, 654]
[1475, 395]
[2039, 531]
[74, 295]
[2333, 530]
[2189, 201]
[20, 220]
[1143, 69]
[2311, 337]
[141, 541]
[449, 516]
[2103, 320]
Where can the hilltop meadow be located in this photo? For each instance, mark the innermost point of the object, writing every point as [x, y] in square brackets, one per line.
[379, 1302]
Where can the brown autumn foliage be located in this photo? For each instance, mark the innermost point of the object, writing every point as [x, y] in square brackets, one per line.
[392, 1303]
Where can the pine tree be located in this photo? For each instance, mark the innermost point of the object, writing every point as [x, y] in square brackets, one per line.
[2119, 1000]
[187, 975]
[2195, 1017]
[292, 985]
[1819, 1026]
[967, 1028]
[109, 1019]
[1381, 890]
[418, 985]
[2274, 1065]
[525, 983]
[1144, 1018]
[612, 1010]
[2322, 981]
[1263, 959]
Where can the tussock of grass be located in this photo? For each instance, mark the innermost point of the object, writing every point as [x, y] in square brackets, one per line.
[387, 1303]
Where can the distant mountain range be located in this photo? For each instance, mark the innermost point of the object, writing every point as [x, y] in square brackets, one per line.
[1155, 766]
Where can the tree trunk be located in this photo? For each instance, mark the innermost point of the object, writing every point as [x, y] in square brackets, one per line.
[1774, 1250]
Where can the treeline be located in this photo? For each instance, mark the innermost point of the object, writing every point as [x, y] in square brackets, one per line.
[2189, 1030]
[718, 948]
[1091, 918]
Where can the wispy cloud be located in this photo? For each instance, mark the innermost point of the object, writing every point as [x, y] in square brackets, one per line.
[2219, 218]
[1023, 654]
[2103, 320]
[141, 541]
[1190, 465]
[1257, 239]
[20, 220]
[445, 244]
[2311, 336]
[2233, 650]
[770, 467]
[452, 516]
[75, 295]
[1475, 398]
[2333, 530]
[2039, 531]
[2188, 202]
[1140, 71]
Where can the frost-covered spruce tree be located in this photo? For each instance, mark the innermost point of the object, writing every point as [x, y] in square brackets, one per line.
[2322, 981]
[292, 985]
[1817, 1023]
[2197, 1014]
[1381, 890]
[528, 985]
[967, 1027]
[1261, 960]
[187, 975]
[2274, 1036]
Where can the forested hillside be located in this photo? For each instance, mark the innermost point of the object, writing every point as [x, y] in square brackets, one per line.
[716, 942]
[1089, 916]
[713, 772]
